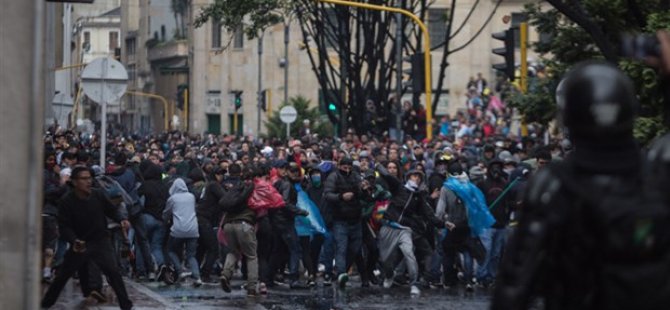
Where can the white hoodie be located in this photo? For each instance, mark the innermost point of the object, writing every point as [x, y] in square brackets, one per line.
[181, 207]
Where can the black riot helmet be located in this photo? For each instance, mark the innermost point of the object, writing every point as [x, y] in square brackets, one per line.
[598, 104]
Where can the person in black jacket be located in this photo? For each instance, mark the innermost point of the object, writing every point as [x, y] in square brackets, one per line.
[283, 223]
[407, 221]
[155, 194]
[238, 226]
[208, 212]
[343, 191]
[82, 222]
[494, 238]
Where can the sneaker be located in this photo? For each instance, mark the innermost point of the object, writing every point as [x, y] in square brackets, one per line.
[152, 276]
[469, 287]
[197, 282]
[161, 273]
[297, 285]
[388, 283]
[414, 291]
[365, 284]
[435, 284]
[311, 282]
[225, 284]
[327, 280]
[98, 296]
[262, 289]
[342, 280]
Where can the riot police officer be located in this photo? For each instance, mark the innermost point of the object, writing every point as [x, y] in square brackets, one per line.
[591, 236]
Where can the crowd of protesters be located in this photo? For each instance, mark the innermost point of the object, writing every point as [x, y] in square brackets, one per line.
[415, 213]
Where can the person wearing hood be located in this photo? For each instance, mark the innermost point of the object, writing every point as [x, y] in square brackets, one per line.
[286, 243]
[463, 206]
[155, 194]
[499, 201]
[180, 210]
[407, 222]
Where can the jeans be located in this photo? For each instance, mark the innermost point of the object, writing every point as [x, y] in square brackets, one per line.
[494, 242]
[155, 232]
[188, 246]
[327, 254]
[143, 261]
[287, 240]
[348, 240]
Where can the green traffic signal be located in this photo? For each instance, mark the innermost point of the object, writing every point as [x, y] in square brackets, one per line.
[332, 107]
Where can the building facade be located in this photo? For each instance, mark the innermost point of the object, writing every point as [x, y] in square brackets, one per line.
[215, 64]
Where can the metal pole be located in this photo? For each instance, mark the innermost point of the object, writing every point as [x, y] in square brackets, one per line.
[288, 131]
[524, 68]
[103, 121]
[103, 135]
[286, 62]
[260, 82]
[397, 108]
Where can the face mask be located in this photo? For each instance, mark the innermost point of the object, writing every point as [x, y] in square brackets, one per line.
[508, 170]
[345, 173]
[411, 185]
[316, 180]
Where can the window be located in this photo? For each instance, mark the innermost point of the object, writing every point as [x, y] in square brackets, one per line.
[130, 46]
[437, 26]
[216, 34]
[132, 72]
[238, 38]
[87, 41]
[113, 40]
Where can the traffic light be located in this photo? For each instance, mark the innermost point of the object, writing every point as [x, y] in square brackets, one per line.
[507, 37]
[332, 107]
[181, 95]
[417, 72]
[238, 100]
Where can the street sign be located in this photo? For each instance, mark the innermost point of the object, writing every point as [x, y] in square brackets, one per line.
[288, 114]
[104, 81]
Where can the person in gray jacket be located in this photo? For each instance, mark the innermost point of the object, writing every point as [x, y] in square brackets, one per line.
[180, 210]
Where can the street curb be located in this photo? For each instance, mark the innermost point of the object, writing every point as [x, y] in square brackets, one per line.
[153, 295]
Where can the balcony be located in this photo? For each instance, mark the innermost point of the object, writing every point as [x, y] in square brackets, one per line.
[165, 51]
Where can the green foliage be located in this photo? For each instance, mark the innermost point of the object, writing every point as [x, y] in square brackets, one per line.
[277, 129]
[253, 16]
[571, 44]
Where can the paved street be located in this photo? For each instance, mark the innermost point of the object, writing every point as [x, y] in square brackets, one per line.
[158, 296]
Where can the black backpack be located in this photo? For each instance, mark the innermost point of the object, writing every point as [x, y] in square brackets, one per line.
[456, 209]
